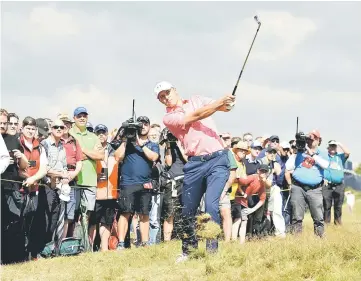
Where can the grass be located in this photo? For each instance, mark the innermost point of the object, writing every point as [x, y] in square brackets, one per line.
[336, 257]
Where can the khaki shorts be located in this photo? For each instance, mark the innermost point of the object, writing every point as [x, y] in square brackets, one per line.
[88, 197]
[225, 202]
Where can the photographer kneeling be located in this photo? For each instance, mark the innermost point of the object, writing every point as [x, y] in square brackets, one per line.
[137, 154]
[307, 181]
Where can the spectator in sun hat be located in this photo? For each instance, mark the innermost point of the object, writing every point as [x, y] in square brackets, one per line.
[334, 188]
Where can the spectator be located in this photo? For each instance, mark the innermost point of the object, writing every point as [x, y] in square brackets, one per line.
[92, 151]
[43, 129]
[249, 185]
[13, 125]
[4, 156]
[334, 189]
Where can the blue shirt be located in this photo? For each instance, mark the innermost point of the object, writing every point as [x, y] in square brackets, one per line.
[335, 172]
[306, 170]
[136, 167]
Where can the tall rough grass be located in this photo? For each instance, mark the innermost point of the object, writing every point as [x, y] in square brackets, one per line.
[336, 257]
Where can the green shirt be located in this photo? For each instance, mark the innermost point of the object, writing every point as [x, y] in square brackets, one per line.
[87, 140]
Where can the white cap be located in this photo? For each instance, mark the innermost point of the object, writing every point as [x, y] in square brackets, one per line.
[256, 143]
[285, 144]
[162, 86]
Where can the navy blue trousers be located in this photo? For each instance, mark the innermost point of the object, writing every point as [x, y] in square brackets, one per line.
[207, 174]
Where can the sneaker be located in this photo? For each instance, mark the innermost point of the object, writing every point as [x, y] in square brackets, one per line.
[182, 258]
[120, 246]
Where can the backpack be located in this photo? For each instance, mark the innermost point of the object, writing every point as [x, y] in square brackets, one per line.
[67, 247]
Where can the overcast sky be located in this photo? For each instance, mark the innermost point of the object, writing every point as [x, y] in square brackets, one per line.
[306, 62]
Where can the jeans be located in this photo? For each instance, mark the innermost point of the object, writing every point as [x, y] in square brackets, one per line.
[208, 175]
[313, 197]
[154, 220]
[335, 195]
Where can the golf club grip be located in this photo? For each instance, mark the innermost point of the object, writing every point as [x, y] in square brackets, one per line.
[234, 90]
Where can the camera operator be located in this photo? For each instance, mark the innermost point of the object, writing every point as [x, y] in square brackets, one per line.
[307, 180]
[334, 188]
[138, 156]
[175, 159]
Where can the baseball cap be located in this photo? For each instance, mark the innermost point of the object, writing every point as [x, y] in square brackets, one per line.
[100, 127]
[79, 110]
[162, 86]
[29, 121]
[43, 127]
[285, 144]
[225, 135]
[270, 148]
[264, 167]
[256, 144]
[64, 118]
[143, 119]
[332, 142]
[314, 133]
[274, 137]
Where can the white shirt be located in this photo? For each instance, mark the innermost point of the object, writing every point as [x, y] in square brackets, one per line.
[4, 156]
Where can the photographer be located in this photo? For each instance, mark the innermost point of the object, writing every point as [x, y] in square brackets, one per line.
[307, 180]
[138, 155]
[175, 159]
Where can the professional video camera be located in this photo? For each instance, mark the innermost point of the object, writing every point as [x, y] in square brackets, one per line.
[166, 136]
[128, 130]
[301, 141]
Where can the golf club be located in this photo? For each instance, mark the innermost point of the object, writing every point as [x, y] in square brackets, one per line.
[259, 25]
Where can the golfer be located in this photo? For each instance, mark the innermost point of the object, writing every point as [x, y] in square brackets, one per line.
[207, 169]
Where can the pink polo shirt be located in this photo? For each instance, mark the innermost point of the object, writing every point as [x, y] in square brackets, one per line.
[200, 137]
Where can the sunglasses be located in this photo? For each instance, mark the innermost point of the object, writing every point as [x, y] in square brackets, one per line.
[58, 127]
[276, 141]
[13, 124]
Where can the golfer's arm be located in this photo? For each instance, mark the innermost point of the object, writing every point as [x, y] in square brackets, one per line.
[202, 113]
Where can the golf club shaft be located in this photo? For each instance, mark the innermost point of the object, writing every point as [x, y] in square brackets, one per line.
[249, 51]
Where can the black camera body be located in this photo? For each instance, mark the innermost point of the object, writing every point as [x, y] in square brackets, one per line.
[166, 136]
[301, 141]
[131, 129]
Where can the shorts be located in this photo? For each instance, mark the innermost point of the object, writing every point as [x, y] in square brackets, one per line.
[105, 211]
[170, 203]
[87, 197]
[238, 211]
[134, 198]
[71, 204]
[225, 203]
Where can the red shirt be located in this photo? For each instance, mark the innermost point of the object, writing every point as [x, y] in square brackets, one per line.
[73, 151]
[200, 137]
[253, 186]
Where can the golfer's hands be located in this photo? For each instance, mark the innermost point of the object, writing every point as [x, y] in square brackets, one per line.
[226, 103]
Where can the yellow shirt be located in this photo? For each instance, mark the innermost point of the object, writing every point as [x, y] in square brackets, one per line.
[241, 170]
